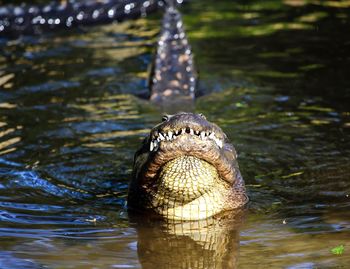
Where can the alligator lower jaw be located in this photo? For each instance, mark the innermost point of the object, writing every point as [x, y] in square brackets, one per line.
[187, 145]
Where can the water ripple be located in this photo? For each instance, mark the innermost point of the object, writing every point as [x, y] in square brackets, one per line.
[31, 180]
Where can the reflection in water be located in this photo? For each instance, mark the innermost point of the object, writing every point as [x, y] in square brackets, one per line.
[211, 243]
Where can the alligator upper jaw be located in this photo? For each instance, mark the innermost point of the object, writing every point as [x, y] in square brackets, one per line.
[206, 149]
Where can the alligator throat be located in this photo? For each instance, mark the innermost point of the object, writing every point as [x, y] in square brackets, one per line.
[186, 178]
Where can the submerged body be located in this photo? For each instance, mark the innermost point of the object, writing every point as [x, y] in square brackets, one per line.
[186, 170]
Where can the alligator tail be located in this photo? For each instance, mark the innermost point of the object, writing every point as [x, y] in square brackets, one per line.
[174, 76]
[30, 19]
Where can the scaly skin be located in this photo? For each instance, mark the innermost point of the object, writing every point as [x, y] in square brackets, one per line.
[186, 170]
[174, 76]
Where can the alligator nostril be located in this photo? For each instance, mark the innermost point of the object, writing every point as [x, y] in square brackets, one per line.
[165, 118]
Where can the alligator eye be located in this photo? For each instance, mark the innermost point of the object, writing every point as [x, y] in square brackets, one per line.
[165, 118]
[201, 115]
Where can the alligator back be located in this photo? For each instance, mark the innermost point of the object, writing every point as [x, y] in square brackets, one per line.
[174, 75]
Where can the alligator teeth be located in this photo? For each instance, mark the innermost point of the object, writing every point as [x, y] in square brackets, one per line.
[171, 135]
[153, 146]
[218, 142]
[161, 136]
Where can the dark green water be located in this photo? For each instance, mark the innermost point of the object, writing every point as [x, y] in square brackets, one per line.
[276, 79]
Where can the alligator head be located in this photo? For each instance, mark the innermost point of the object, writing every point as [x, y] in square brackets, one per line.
[186, 169]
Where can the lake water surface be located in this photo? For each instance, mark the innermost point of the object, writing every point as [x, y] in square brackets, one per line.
[274, 75]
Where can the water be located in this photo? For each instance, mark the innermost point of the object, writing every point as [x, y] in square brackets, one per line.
[274, 77]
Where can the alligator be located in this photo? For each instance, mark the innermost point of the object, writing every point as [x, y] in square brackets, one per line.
[186, 169]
